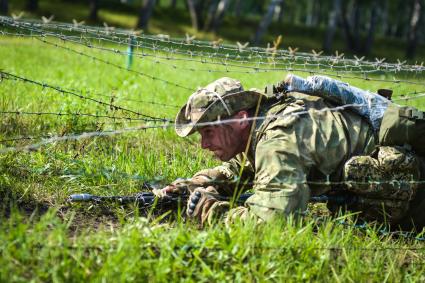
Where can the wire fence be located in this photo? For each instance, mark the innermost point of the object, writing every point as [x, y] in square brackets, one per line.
[199, 48]
[97, 116]
[110, 105]
[234, 68]
[251, 67]
[168, 124]
[117, 65]
[42, 30]
[170, 52]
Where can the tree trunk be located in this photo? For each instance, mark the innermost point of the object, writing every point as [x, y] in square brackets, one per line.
[265, 22]
[145, 13]
[200, 5]
[371, 32]
[356, 26]
[310, 13]
[280, 16]
[238, 8]
[414, 23]
[4, 7]
[173, 4]
[212, 9]
[196, 11]
[347, 26]
[399, 29]
[317, 19]
[94, 6]
[332, 22]
[218, 18]
[32, 5]
[385, 23]
[193, 11]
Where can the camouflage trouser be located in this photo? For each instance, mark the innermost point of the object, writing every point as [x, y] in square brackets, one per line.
[385, 183]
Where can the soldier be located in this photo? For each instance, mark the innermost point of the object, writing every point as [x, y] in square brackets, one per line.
[288, 147]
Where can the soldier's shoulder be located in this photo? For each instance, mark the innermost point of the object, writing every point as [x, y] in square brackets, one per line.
[290, 109]
[294, 102]
[281, 113]
[310, 101]
[303, 96]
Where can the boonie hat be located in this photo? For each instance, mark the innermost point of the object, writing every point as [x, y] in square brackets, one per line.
[220, 99]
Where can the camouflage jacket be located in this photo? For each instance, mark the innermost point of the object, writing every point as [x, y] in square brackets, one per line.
[292, 157]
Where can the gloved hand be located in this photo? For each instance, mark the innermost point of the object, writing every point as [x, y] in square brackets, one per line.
[204, 206]
[179, 186]
[184, 186]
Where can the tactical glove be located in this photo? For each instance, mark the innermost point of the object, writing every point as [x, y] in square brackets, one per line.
[204, 206]
[182, 186]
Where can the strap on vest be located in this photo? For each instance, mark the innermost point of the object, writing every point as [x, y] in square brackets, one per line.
[277, 91]
[273, 108]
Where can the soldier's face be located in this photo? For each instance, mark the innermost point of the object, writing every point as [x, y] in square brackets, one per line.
[226, 140]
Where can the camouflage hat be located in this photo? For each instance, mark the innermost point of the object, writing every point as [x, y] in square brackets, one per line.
[220, 99]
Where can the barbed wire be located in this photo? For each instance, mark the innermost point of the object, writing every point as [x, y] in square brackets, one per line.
[132, 100]
[160, 59]
[117, 66]
[78, 137]
[120, 67]
[18, 112]
[409, 96]
[169, 124]
[130, 119]
[51, 139]
[278, 185]
[277, 63]
[46, 136]
[21, 138]
[125, 37]
[254, 69]
[3, 75]
[114, 96]
[6, 75]
[221, 62]
[403, 97]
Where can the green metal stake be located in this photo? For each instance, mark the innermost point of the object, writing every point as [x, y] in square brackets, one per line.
[130, 52]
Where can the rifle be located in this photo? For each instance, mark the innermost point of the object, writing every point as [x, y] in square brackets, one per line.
[148, 199]
[145, 199]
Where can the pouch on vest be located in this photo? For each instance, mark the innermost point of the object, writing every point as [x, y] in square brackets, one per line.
[403, 125]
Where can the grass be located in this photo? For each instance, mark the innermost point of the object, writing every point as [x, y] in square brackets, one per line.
[141, 251]
[42, 238]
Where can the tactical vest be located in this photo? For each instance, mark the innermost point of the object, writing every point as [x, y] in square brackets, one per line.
[400, 126]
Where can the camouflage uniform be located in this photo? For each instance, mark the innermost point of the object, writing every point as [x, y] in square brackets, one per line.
[291, 157]
[388, 177]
